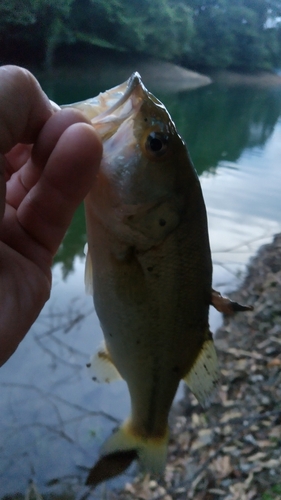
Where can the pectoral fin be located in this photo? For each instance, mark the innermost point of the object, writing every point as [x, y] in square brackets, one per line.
[102, 368]
[204, 374]
[88, 276]
[227, 306]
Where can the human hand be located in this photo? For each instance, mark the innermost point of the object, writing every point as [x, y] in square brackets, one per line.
[44, 184]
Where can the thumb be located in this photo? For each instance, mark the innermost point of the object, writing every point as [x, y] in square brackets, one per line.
[2, 187]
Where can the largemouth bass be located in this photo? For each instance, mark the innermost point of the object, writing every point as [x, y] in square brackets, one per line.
[150, 271]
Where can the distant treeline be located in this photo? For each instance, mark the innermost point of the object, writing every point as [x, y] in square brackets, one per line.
[240, 34]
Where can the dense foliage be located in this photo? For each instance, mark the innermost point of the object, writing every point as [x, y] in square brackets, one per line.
[241, 34]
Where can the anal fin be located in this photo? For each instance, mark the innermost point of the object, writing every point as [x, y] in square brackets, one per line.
[204, 374]
[102, 368]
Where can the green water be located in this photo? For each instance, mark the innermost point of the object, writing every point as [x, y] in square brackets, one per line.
[51, 426]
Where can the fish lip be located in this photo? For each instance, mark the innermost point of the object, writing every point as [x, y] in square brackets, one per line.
[132, 92]
[132, 83]
[134, 80]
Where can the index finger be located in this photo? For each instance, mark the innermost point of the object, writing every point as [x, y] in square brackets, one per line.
[2, 186]
[24, 107]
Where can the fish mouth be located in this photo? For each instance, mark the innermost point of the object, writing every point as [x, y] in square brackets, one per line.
[122, 103]
[119, 95]
[111, 108]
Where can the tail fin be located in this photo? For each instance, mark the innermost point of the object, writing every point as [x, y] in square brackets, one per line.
[110, 466]
[123, 447]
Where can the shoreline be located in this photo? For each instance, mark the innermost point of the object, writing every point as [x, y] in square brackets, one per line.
[108, 64]
[109, 68]
[263, 79]
[232, 450]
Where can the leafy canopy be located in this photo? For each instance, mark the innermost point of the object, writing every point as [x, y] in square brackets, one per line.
[241, 34]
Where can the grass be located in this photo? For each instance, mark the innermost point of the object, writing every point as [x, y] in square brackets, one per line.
[272, 493]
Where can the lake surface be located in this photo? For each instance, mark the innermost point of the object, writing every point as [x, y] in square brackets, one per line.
[53, 417]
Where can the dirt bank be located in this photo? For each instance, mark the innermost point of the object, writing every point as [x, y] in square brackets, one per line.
[232, 450]
[108, 68]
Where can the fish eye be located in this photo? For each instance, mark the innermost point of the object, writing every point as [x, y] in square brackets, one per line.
[156, 143]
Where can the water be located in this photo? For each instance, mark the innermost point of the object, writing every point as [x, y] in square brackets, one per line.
[53, 417]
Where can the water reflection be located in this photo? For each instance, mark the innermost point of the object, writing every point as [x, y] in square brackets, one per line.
[220, 123]
[53, 417]
[73, 244]
[243, 205]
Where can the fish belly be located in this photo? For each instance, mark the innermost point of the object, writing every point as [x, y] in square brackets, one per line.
[153, 309]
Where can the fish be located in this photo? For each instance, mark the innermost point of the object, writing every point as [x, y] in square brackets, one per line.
[149, 269]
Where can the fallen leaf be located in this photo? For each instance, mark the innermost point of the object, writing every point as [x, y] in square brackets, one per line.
[205, 437]
[275, 432]
[222, 466]
[252, 494]
[276, 340]
[216, 491]
[241, 352]
[230, 415]
[227, 429]
[264, 443]
[256, 456]
[274, 362]
[271, 464]
[249, 479]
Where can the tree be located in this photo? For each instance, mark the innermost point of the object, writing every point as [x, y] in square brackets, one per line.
[16, 12]
[233, 34]
[198, 33]
[160, 28]
[41, 23]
